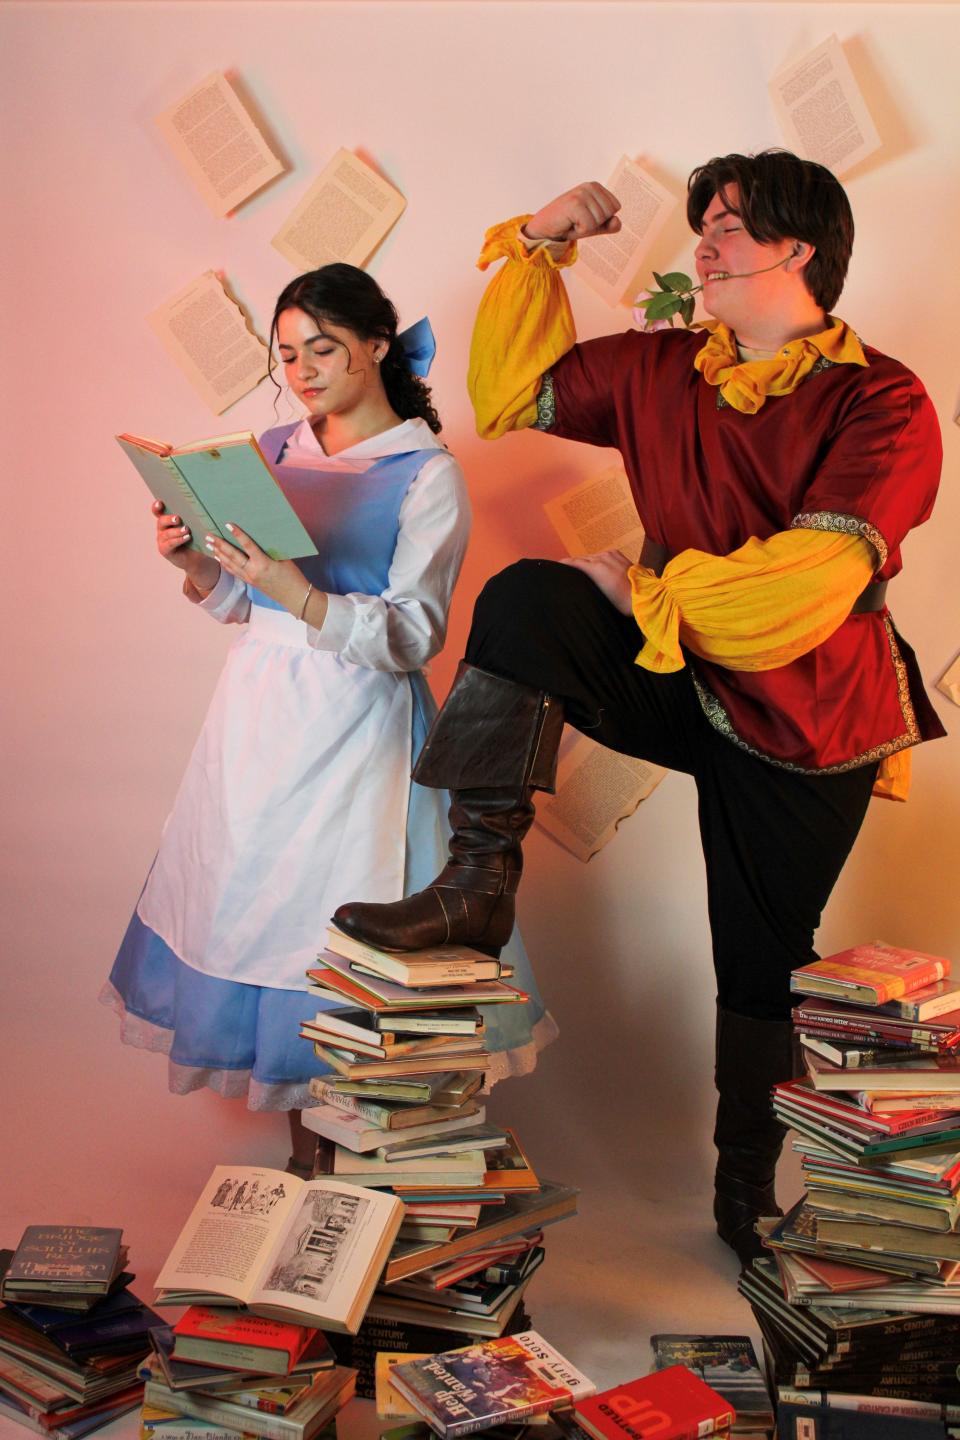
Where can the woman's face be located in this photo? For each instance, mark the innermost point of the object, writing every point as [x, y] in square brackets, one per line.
[330, 369]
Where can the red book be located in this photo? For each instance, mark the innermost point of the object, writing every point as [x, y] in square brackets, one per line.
[237, 1340]
[671, 1404]
[870, 974]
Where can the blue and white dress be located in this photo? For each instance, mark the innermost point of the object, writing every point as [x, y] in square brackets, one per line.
[297, 796]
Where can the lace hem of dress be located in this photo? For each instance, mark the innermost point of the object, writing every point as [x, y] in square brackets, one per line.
[260, 1095]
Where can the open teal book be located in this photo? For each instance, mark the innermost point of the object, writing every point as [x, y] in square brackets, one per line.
[215, 482]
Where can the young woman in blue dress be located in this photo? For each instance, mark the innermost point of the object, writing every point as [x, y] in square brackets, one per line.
[297, 794]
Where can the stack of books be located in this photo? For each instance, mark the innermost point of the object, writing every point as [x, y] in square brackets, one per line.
[860, 1297]
[400, 1114]
[72, 1335]
[242, 1374]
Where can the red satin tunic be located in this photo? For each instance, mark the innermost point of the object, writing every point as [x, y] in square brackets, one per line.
[855, 450]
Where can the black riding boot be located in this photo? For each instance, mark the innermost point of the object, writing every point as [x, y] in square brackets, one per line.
[752, 1056]
[492, 745]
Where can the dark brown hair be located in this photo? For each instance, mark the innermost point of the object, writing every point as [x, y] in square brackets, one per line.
[782, 197]
[345, 296]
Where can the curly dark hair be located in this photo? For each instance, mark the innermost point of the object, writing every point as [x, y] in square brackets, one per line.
[347, 296]
[782, 197]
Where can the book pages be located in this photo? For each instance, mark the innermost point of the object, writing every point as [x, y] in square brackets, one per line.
[343, 216]
[609, 264]
[949, 682]
[598, 514]
[596, 789]
[204, 330]
[820, 109]
[217, 142]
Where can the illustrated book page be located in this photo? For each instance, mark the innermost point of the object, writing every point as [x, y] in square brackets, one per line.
[343, 216]
[283, 1246]
[218, 143]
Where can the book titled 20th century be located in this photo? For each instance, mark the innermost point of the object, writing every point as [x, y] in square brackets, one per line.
[309, 1252]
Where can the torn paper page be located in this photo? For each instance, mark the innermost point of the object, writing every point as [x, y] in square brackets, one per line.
[206, 333]
[217, 142]
[596, 789]
[610, 264]
[343, 216]
[949, 682]
[598, 514]
[820, 109]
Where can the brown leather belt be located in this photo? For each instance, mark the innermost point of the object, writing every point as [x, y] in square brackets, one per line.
[873, 597]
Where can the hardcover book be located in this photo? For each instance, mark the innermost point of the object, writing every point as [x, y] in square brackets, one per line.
[213, 483]
[233, 1338]
[310, 1252]
[870, 974]
[51, 1258]
[673, 1404]
[728, 1364]
[508, 1378]
[441, 965]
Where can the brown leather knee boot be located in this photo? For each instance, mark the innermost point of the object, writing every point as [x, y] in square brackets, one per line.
[492, 745]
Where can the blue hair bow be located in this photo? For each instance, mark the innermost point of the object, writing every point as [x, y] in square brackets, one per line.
[419, 345]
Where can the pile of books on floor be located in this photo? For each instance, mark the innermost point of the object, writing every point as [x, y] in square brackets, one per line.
[859, 1300]
[400, 1114]
[71, 1333]
[243, 1374]
[496, 1385]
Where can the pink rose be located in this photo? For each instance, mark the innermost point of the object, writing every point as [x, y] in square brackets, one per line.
[640, 314]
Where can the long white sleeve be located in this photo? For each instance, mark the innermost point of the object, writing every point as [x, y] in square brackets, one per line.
[403, 626]
[227, 602]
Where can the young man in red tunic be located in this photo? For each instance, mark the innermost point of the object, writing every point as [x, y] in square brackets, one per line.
[777, 463]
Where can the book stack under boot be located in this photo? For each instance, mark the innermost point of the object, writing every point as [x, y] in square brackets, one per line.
[859, 1299]
[71, 1333]
[400, 1113]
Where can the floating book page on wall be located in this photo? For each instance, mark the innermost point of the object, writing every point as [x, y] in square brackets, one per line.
[343, 216]
[205, 331]
[821, 111]
[596, 789]
[219, 144]
[610, 264]
[598, 514]
[949, 682]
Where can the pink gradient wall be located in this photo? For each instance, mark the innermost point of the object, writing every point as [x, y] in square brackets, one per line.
[476, 112]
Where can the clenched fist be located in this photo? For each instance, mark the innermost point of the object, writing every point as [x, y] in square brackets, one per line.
[588, 209]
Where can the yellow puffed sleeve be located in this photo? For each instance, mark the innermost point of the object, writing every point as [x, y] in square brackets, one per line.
[755, 609]
[523, 326]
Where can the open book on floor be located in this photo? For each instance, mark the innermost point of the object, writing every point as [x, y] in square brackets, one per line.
[306, 1251]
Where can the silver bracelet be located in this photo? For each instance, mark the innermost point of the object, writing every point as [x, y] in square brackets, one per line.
[303, 607]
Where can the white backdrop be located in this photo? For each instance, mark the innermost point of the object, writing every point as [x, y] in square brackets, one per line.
[475, 111]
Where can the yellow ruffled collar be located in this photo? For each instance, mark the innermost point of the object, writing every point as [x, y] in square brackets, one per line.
[745, 384]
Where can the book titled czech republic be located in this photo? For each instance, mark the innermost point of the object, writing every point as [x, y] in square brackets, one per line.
[506, 1379]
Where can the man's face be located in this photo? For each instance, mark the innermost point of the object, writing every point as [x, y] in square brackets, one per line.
[727, 249]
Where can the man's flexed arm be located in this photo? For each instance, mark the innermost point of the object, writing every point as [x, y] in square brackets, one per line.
[524, 324]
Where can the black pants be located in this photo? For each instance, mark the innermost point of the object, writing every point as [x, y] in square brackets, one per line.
[774, 841]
